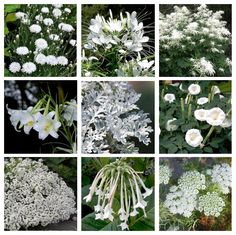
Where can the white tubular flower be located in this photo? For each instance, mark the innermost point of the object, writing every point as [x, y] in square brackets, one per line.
[28, 68]
[57, 12]
[35, 28]
[164, 174]
[226, 123]
[45, 10]
[202, 100]
[200, 114]
[51, 60]
[169, 97]
[171, 127]
[14, 67]
[62, 60]
[193, 137]
[48, 21]
[41, 44]
[215, 116]
[194, 89]
[40, 59]
[22, 50]
[46, 126]
[215, 90]
[54, 37]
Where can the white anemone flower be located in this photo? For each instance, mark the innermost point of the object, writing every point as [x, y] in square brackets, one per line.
[193, 137]
[194, 89]
[46, 126]
[171, 127]
[15, 67]
[200, 114]
[202, 100]
[169, 97]
[215, 116]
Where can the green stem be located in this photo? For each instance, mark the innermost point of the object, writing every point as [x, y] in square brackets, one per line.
[208, 134]
[189, 111]
[182, 106]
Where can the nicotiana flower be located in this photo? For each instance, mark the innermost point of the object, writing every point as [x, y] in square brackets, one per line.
[169, 97]
[193, 137]
[22, 50]
[15, 67]
[118, 178]
[41, 44]
[28, 68]
[202, 100]
[170, 126]
[200, 114]
[164, 174]
[35, 28]
[215, 116]
[194, 89]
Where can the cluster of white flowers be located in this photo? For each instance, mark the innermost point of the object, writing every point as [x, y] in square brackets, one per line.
[118, 178]
[127, 37]
[222, 175]
[109, 118]
[50, 29]
[164, 174]
[183, 32]
[34, 195]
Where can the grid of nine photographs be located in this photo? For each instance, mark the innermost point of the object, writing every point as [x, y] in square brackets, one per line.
[117, 117]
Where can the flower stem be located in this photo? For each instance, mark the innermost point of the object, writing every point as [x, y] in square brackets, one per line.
[189, 111]
[208, 134]
[182, 106]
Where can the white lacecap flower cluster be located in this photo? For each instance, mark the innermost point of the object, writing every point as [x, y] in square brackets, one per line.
[43, 42]
[222, 175]
[164, 174]
[127, 36]
[119, 178]
[34, 195]
[109, 118]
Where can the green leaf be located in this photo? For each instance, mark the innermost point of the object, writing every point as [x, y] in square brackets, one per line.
[208, 149]
[8, 8]
[11, 17]
[6, 31]
[85, 180]
[104, 160]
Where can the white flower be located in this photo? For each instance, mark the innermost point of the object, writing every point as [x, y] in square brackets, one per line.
[39, 18]
[56, 12]
[35, 28]
[169, 97]
[194, 89]
[226, 123]
[62, 60]
[70, 112]
[72, 42]
[215, 90]
[58, 5]
[51, 60]
[22, 50]
[202, 100]
[164, 174]
[28, 68]
[215, 116]
[15, 67]
[200, 114]
[67, 10]
[45, 10]
[54, 37]
[40, 58]
[66, 27]
[46, 125]
[48, 21]
[21, 15]
[41, 44]
[171, 127]
[204, 67]
[193, 137]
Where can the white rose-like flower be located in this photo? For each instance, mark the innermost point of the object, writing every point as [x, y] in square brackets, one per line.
[200, 114]
[15, 67]
[51, 60]
[29, 67]
[202, 100]
[48, 21]
[215, 116]
[45, 10]
[194, 89]
[193, 137]
[41, 44]
[169, 97]
[35, 28]
[215, 90]
[40, 58]
[22, 50]
[171, 127]
[62, 60]
[54, 37]
[56, 12]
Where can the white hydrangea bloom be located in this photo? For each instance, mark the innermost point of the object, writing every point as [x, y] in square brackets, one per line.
[194, 89]
[28, 67]
[15, 67]
[34, 195]
[193, 137]
[164, 174]
[22, 50]
[215, 116]
[169, 97]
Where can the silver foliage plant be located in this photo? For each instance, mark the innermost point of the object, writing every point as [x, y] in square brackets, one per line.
[34, 195]
[111, 118]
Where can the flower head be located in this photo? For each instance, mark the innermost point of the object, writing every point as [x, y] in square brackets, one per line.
[200, 114]
[22, 50]
[171, 127]
[28, 68]
[41, 44]
[35, 28]
[215, 116]
[193, 137]
[169, 97]
[202, 100]
[15, 67]
[194, 89]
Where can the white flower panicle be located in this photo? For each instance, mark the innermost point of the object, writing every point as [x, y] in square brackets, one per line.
[164, 174]
[34, 195]
[118, 178]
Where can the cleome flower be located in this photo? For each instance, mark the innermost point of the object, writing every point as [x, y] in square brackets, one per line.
[118, 178]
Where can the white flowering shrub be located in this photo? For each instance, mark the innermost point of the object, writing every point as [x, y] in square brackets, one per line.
[195, 118]
[118, 46]
[48, 117]
[189, 198]
[43, 42]
[119, 196]
[34, 196]
[194, 42]
[111, 119]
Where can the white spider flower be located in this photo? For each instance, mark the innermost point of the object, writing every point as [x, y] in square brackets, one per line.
[62, 60]
[171, 127]
[215, 90]
[193, 137]
[169, 97]
[202, 100]
[22, 50]
[40, 59]
[51, 60]
[66, 27]
[57, 12]
[39, 18]
[41, 44]
[200, 114]
[67, 10]
[226, 123]
[215, 116]
[73, 42]
[54, 37]
[45, 10]
[194, 89]
[48, 21]
[28, 67]
[35, 28]
[15, 67]
[46, 126]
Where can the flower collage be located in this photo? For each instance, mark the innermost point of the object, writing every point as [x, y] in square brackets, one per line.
[121, 119]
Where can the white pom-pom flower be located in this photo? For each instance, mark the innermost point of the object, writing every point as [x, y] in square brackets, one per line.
[28, 67]
[51, 60]
[72, 42]
[62, 60]
[215, 116]
[15, 67]
[35, 28]
[22, 50]
[193, 137]
[41, 44]
[40, 58]
[45, 10]
[48, 21]
[56, 12]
